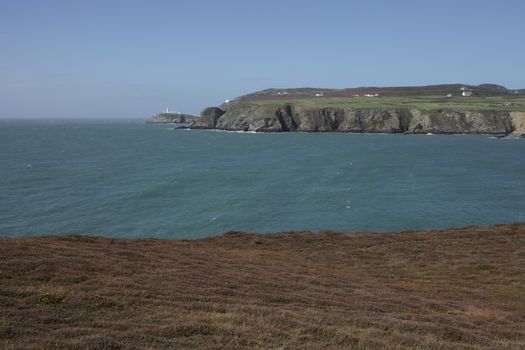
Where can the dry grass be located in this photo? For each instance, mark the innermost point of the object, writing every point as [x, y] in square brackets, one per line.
[442, 289]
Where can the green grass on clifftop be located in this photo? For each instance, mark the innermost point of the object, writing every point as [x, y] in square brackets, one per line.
[422, 102]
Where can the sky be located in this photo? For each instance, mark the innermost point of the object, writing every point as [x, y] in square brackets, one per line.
[134, 58]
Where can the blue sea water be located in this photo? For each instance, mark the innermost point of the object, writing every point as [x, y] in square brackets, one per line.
[131, 179]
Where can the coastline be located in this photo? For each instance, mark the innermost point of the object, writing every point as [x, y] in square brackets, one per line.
[454, 288]
[491, 135]
[437, 109]
[290, 118]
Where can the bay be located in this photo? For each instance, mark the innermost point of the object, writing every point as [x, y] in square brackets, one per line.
[125, 178]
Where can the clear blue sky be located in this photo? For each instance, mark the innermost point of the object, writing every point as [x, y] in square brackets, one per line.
[129, 59]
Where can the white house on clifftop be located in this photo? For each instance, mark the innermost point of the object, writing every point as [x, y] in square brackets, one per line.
[465, 92]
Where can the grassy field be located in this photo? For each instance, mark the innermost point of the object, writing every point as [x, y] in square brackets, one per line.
[422, 102]
[441, 289]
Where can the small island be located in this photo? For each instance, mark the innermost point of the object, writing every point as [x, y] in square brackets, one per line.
[172, 118]
[435, 109]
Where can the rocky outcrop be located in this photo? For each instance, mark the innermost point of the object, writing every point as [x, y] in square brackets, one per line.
[350, 120]
[248, 117]
[518, 122]
[455, 122]
[264, 118]
[208, 119]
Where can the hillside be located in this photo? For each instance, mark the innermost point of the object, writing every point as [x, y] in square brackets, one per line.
[483, 90]
[438, 109]
[440, 289]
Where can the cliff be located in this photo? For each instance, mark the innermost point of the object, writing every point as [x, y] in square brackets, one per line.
[437, 109]
[518, 122]
[208, 119]
[290, 117]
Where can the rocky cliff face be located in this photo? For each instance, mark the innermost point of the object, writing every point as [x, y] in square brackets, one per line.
[518, 122]
[253, 117]
[453, 122]
[208, 119]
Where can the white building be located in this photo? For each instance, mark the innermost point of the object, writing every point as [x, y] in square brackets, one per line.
[466, 93]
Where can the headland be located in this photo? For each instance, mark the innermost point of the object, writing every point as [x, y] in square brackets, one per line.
[436, 109]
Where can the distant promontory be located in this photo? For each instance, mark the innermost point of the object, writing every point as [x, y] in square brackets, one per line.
[436, 109]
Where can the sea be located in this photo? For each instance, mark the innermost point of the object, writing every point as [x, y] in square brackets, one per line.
[126, 178]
